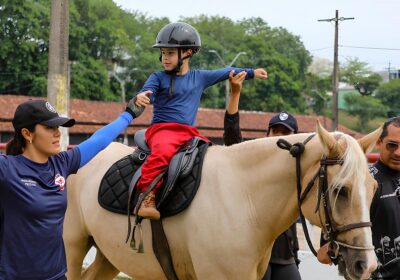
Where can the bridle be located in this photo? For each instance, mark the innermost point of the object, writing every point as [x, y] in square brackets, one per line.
[332, 230]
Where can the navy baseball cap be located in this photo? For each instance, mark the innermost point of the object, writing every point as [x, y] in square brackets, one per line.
[32, 112]
[285, 119]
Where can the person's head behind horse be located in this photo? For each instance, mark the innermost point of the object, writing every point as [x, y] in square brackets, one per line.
[282, 124]
[388, 143]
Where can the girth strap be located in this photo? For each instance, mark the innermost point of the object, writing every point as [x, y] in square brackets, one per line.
[161, 249]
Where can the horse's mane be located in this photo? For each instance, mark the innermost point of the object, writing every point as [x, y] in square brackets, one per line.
[354, 161]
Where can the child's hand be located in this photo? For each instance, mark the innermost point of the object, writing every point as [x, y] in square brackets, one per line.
[260, 73]
[142, 99]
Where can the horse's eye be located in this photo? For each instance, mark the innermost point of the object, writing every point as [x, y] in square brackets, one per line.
[341, 192]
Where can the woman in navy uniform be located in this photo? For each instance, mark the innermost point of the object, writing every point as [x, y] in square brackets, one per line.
[33, 193]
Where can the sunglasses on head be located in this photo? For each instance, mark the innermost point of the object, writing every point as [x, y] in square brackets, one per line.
[392, 146]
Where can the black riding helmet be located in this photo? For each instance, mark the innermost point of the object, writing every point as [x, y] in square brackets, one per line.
[178, 35]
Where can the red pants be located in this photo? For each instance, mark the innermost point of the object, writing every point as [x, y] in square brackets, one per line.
[164, 140]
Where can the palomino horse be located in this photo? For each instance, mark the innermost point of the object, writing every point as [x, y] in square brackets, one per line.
[246, 198]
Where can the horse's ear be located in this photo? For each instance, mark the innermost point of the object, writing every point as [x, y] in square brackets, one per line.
[369, 140]
[329, 142]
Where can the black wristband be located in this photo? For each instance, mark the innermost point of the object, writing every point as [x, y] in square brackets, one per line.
[129, 110]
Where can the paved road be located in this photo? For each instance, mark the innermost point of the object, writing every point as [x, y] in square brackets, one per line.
[311, 269]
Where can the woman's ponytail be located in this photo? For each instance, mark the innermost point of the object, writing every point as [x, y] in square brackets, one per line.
[17, 144]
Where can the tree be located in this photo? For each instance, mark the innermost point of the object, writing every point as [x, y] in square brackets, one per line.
[388, 94]
[24, 27]
[365, 108]
[91, 81]
[357, 73]
[316, 87]
[367, 85]
[102, 35]
[263, 46]
[321, 67]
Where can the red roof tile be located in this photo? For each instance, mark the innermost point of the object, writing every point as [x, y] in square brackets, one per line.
[91, 115]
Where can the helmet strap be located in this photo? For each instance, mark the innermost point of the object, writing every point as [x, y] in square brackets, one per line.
[175, 71]
[172, 84]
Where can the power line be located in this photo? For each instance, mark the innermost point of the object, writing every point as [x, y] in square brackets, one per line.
[357, 47]
[321, 49]
[369, 48]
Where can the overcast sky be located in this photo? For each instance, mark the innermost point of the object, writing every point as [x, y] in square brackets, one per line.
[375, 31]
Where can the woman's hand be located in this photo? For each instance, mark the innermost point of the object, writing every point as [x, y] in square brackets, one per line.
[322, 254]
[236, 81]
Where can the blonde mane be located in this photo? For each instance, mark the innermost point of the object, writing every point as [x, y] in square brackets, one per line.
[353, 161]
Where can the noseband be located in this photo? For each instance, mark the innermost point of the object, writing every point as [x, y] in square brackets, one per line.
[332, 230]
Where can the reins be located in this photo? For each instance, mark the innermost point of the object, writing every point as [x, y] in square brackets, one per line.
[296, 150]
[331, 230]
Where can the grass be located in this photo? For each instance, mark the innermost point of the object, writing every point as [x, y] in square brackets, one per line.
[352, 122]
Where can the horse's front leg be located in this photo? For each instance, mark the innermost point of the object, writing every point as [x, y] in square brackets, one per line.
[77, 241]
[101, 268]
[77, 244]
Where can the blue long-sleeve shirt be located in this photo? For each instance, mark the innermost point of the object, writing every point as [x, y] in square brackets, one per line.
[184, 103]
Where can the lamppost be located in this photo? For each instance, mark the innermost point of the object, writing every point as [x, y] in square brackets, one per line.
[226, 65]
[122, 83]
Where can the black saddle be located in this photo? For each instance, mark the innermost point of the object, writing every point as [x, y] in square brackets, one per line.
[182, 178]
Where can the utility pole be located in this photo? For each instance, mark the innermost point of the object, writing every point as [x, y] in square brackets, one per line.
[58, 80]
[335, 78]
[226, 65]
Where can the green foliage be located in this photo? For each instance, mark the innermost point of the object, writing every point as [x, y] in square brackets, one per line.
[101, 36]
[91, 81]
[23, 44]
[263, 46]
[39, 86]
[367, 85]
[357, 73]
[316, 88]
[353, 70]
[388, 94]
[365, 108]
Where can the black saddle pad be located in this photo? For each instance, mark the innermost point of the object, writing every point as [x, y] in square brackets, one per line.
[114, 187]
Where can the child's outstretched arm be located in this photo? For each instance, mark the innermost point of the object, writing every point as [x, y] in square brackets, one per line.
[211, 77]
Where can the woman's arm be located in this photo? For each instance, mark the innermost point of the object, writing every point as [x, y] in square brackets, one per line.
[232, 134]
[103, 137]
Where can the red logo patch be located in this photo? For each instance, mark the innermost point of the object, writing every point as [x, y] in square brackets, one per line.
[60, 181]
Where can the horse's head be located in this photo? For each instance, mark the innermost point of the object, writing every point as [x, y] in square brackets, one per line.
[344, 193]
